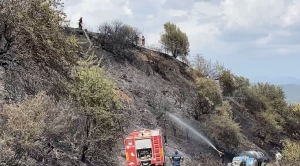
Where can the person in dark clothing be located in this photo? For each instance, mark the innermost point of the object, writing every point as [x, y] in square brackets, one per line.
[143, 41]
[176, 159]
[222, 156]
[80, 23]
[165, 139]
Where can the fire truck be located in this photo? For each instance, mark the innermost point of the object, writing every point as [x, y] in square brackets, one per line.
[144, 148]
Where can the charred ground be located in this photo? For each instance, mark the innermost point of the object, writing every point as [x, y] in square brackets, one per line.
[153, 82]
[43, 130]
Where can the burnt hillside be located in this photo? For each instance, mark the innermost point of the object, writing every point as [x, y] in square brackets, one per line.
[152, 83]
[68, 98]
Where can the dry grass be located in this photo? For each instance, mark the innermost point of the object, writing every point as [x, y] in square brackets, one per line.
[194, 73]
[28, 118]
[125, 97]
[145, 58]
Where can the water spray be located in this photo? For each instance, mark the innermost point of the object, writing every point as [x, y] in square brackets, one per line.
[173, 117]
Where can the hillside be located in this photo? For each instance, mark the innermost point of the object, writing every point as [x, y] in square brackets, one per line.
[152, 83]
[292, 92]
[69, 98]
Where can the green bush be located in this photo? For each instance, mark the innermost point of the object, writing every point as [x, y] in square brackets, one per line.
[225, 110]
[210, 90]
[98, 99]
[291, 152]
[228, 82]
[273, 119]
[223, 129]
[296, 108]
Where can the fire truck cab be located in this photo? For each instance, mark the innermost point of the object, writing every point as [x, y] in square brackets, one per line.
[144, 148]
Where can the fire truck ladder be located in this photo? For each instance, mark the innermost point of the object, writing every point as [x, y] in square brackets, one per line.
[157, 148]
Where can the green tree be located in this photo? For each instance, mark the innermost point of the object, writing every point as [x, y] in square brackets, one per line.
[267, 103]
[174, 40]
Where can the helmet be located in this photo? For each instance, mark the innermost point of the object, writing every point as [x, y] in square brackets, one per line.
[176, 151]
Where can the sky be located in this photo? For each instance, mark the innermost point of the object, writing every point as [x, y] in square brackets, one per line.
[253, 38]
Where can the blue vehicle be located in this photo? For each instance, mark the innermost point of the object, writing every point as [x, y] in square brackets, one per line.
[250, 158]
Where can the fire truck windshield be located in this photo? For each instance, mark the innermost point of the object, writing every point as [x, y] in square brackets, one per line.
[143, 144]
[143, 149]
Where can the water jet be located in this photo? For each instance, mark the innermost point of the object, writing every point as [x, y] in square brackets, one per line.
[198, 134]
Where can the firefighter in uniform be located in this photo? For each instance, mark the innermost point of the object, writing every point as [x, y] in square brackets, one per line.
[176, 159]
[143, 41]
[222, 156]
[80, 23]
[278, 157]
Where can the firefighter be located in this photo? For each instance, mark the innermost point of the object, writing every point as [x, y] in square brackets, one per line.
[222, 156]
[278, 157]
[176, 159]
[143, 41]
[80, 23]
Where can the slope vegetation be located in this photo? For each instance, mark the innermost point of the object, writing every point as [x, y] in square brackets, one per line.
[64, 102]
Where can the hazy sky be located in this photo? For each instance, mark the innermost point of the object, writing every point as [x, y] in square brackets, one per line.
[250, 37]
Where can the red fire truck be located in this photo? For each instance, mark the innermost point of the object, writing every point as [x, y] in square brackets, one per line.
[144, 148]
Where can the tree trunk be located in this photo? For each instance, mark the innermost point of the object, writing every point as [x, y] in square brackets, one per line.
[86, 136]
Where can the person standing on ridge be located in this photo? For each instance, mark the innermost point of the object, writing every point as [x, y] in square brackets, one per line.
[176, 159]
[143, 41]
[80, 23]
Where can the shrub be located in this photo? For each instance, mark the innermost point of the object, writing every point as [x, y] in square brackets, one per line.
[224, 110]
[98, 98]
[222, 128]
[228, 82]
[117, 37]
[209, 96]
[38, 126]
[291, 153]
[207, 68]
[242, 85]
[27, 119]
[210, 90]
[273, 119]
[253, 100]
[174, 40]
[194, 73]
[297, 108]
